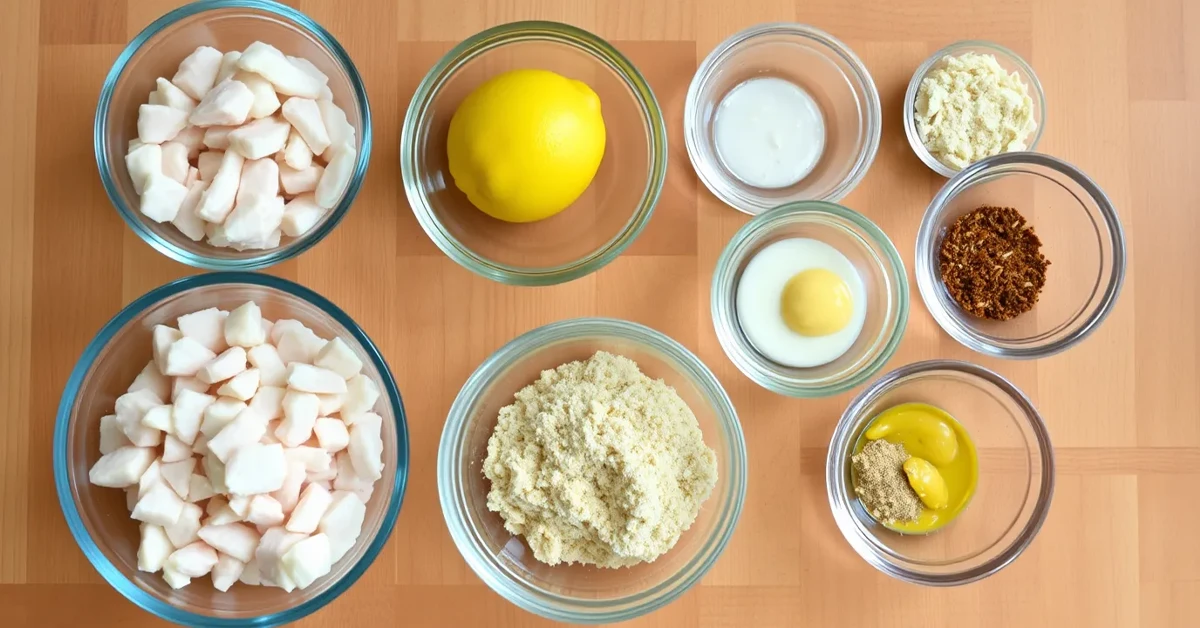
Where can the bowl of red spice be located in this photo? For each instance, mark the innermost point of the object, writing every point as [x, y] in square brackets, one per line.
[1020, 255]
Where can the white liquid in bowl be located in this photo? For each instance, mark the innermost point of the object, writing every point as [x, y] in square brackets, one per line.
[769, 133]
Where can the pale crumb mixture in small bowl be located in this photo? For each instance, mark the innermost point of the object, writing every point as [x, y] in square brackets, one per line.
[592, 470]
[969, 101]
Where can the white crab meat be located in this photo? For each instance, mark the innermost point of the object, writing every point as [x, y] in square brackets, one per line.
[255, 220]
[337, 176]
[305, 116]
[266, 101]
[227, 104]
[266, 61]
[162, 198]
[297, 153]
[142, 162]
[301, 182]
[159, 123]
[217, 201]
[168, 94]
[198, 72]
[261, 138]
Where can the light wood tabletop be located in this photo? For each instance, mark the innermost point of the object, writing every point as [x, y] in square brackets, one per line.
[1122, 81]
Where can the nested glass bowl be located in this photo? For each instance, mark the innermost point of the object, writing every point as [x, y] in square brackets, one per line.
[819, 64]
[1016, 475]
[1009, 60]
[583, 593]
[873, 256]
[601, 223]
[1081, 236]
[156, 52]
[98, 517]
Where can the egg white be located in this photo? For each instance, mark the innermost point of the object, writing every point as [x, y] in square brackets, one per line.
[761, 288]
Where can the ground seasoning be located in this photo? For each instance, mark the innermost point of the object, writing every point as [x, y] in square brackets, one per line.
[881, 485]
[992, 264]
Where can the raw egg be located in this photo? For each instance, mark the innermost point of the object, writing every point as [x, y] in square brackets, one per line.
[801, 302]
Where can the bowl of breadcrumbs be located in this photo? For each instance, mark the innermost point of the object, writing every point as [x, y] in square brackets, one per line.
[592, 470]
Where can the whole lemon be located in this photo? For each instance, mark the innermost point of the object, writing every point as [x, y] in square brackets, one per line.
[525, 144]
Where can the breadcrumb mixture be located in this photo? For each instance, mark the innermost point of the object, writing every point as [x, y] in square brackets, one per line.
[969, 108]
[596, 463]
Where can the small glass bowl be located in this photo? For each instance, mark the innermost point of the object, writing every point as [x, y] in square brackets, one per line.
[585, 236]
[819, 64]
[875, 259]
[1081, 237]
[98, 517]
[1007, 59]
[584, 593]
[156, 52]
[1016, 475]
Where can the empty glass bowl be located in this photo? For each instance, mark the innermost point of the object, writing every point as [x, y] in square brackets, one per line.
[156, 52]
[1016, 475]
[1081, 237]
[1007, 59]
[820, 65]
[98, 517]
[873, 256]
[602, 222]
[579, 593]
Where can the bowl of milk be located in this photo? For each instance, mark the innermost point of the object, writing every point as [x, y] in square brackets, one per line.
[780, 113]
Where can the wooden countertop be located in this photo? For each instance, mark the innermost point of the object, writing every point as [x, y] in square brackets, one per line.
[1122, 78]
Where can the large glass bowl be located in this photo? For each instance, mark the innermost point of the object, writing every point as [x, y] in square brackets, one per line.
[578, 593]
[1081, 236]
[98, 517]
[821, 65]
[593, 230]
[1016, 475]
[873, 256]
[156, 52]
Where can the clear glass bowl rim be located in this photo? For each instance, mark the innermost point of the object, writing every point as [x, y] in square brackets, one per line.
[839, 447]
[927, 280]
[553, 606]
[873, 129]
[481, 43]
[725, 322]
[910, 99]
[100, 133]
[96, 557]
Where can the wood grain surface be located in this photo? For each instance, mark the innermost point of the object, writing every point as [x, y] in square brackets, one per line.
[1122, 78]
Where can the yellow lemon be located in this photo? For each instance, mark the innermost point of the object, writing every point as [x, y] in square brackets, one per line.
[816, 302]
[525, 145]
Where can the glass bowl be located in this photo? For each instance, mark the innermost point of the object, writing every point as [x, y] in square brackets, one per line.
[1081, 237]
[822, 66]
[1016, 475]
[98, 517]
[877, 263]
[156, 52]
[578, 593]
[1007, 59]
[585, 236]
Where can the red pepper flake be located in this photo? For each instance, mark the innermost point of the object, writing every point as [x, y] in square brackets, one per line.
[992, 264]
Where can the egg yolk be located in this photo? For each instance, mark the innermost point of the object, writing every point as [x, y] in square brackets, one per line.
[816, 302]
